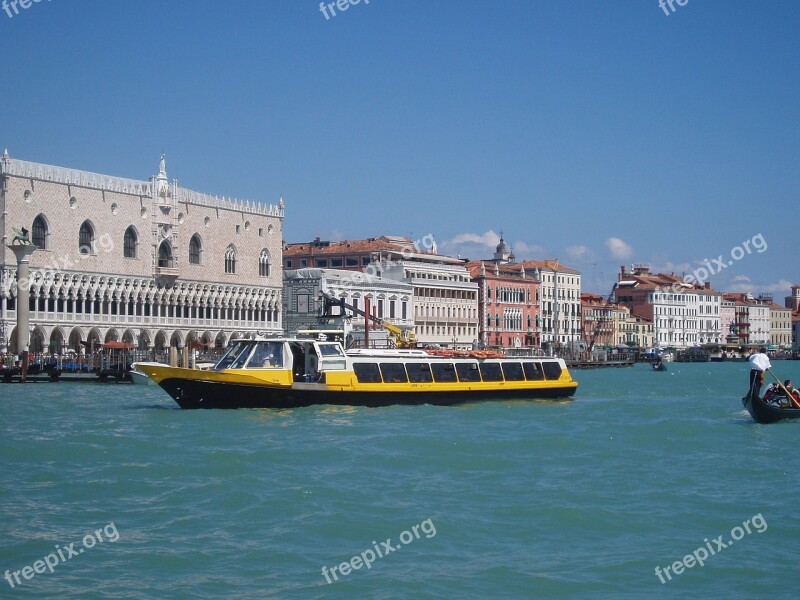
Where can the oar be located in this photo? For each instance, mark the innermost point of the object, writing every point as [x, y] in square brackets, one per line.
[789, 395]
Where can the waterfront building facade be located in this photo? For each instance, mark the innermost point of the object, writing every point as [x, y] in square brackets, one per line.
[727, 319]
[609, 325]
[146, 262]
[303, 289]
[559, 302]
[780, 327]
[796, 331]
[445, 300]
[508, 307]
[350, 255]
[633, 330]
[445, 297]
[599, 319]
[683, 314]
[752, 321]
[793, 301]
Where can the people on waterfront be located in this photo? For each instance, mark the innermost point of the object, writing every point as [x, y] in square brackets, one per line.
[759, 363]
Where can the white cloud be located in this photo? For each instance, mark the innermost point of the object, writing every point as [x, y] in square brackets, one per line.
[489, 239]
[618, 248]
[780, 289]
[524, 251]
[741, 284]
[580, 254]
[483, 245]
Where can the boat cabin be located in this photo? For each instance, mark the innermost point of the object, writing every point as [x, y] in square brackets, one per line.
[310, 359]
[307, 358]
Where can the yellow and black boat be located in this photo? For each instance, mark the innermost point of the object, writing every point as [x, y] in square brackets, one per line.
[292, 372]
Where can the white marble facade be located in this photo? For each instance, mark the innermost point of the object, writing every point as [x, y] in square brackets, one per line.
[144, 262]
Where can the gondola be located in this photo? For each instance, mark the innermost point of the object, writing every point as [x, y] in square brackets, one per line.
[765, 412]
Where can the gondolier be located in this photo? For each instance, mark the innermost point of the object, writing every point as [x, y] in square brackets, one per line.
[759, 363]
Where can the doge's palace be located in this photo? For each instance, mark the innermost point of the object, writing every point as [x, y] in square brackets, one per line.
[144, 262]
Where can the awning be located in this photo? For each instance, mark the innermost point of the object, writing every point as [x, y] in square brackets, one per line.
[118, 345]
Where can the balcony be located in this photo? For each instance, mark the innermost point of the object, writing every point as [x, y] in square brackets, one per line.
[165, 272]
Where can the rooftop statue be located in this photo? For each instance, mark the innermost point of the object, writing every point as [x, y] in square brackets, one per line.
[21, 235]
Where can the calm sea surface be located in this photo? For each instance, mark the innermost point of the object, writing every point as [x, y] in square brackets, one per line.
[579, 499]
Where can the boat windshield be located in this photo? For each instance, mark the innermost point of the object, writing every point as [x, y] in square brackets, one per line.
[236, 356]
[330, 350]
[268, 355]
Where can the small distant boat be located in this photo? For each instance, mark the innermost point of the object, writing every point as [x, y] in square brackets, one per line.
[658, 365]
[769, 409]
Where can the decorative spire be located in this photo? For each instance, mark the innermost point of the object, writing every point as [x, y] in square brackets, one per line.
[162, 185]
[483, 269]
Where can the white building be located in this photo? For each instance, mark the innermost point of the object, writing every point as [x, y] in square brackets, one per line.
[780, 326]
[445, 298]
[559, 301]
[146, 262]
[683, 314]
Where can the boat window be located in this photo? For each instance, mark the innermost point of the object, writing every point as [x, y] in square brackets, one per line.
[240, 360]
[513, 371]
[533, 371]
[330, 350]
[268, 355]
[367, 373]
[491, 371]
[444, 372]
[419, 372]
[394, 373]
[234, 356]
[468, 371]
[552, 369]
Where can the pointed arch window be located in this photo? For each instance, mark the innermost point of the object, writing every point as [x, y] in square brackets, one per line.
[165, 258]
[195, 250]
[86, 238]
[130, 242]
[230, 260]
[39, 232]
[264, 263]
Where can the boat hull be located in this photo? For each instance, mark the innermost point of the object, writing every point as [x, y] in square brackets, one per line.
[138, 376]
[207, 394]
[765, 413]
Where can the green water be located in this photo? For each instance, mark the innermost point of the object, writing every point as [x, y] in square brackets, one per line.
[579, 499]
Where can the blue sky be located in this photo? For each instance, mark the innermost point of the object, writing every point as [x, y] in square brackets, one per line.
[602, 133]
